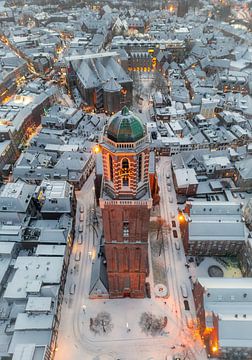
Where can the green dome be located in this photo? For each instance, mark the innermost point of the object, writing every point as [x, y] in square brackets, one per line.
[124, 126]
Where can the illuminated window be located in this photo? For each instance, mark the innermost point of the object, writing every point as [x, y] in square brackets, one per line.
[124, 92]
[125, 229]
[111, 168]
[125, 172]
[140, 163]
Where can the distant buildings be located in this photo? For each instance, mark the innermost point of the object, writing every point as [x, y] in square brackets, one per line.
[182, 8]
[19, 119]
[213, 228]
[36, 234]
[185, 181]
[61, 149]
[101, 81]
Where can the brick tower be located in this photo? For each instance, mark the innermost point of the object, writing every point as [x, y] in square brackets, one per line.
[125, 201]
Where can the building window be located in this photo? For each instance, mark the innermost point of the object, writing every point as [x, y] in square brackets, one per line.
[125, 229]
[140, 164]
[111, 168]
[125, 172]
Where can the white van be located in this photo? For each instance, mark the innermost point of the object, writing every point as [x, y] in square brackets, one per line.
[81, 216]
[80, 239]
[77, 256]
[72, 289]
[172, 214]
[184, 290]
[177, 246]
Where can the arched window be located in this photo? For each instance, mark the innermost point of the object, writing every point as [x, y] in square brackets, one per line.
[111, 168]
[140, 165]
[125, 172]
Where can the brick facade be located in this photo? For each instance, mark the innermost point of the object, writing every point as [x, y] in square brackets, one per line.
[127, 256]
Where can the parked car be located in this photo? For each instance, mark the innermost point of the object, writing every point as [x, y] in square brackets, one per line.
[184, 290]
[173, 223]
[172, 214]
[81, 216]
[170, 200]
[80, 239]
[175, 233]
[186, 305]
[77, 256]
[177, 246]
[177, 357]
[81, 227]
[169, 188]
[81, 209]
[72, 289]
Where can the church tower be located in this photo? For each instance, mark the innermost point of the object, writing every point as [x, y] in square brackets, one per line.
[125, 201]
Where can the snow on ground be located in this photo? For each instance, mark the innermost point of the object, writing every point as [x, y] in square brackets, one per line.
[231, 271]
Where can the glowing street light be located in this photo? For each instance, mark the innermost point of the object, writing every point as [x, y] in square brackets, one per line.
[181, 218]
[214, 349]
[96, 149]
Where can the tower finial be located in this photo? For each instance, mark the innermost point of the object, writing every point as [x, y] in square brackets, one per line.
[125, 111]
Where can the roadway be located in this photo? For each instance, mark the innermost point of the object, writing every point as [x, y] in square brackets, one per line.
[175, 264]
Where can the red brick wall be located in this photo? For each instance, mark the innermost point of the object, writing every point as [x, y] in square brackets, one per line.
[198, 292]
[127, 257]
[138, 217]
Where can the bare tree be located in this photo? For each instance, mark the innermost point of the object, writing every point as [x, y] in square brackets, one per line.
[152, 324]
[159, 225]
[101, 324]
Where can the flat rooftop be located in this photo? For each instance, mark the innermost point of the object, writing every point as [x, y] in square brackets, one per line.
[31, 273]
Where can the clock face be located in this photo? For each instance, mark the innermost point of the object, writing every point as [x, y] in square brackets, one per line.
[125, 172]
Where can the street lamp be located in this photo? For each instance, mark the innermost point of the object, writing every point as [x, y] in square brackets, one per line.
[181, 218]
[96, 149]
